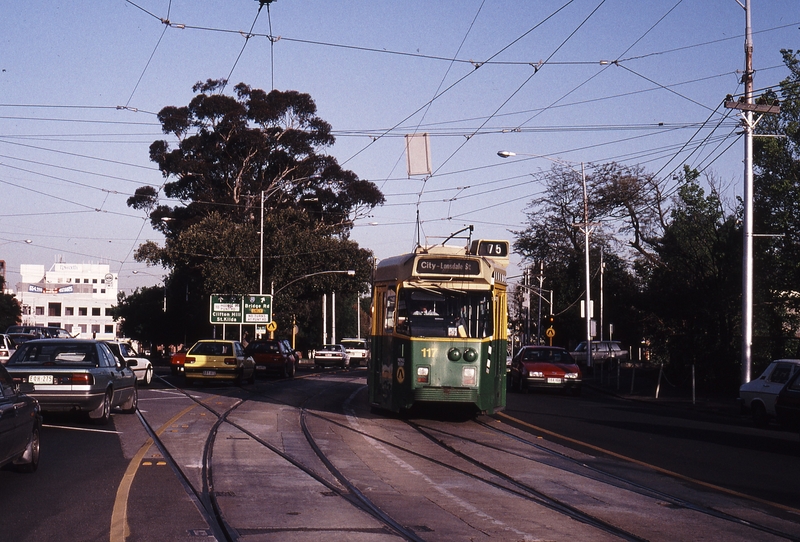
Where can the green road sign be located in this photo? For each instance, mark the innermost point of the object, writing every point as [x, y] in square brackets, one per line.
[226, 309]
[257, 308]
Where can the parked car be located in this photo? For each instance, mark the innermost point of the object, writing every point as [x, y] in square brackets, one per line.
[140, 366]
[787, 404]
[272, 355]
[545, 367]
[215, 359]
[7, 348]
[20, 424]
[41, 332]
[357, 350]
[176, 362]
[758, 396]
[331, 355]
[601, 351]
[81, 375]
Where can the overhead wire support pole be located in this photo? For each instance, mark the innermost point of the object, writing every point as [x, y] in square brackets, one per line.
[747, 108]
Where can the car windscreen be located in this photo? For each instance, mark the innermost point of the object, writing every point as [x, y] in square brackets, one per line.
[54, 353]
[547, 355]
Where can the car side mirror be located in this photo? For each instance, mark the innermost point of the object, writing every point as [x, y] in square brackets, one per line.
[132, 363]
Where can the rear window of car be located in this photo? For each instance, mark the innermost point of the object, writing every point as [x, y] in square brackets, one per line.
[56, 353]
[263, 348]
[212, 349]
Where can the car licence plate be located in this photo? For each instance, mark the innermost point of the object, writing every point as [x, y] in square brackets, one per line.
[209, 373]
[40, 379]
[554, 381]
[261, 367]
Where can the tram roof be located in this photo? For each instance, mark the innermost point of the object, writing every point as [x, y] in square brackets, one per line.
[403, 267]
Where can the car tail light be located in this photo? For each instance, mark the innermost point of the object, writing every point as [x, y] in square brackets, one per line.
[229, 361]
[189, 360]
[423, 374]
[81, 379]
[469, 376]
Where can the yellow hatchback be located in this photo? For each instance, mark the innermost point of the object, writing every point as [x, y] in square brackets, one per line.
[212, 359]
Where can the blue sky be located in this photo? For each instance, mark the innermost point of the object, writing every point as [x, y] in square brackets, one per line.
[81, 83]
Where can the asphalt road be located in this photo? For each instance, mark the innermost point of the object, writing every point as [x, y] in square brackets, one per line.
[82, 482]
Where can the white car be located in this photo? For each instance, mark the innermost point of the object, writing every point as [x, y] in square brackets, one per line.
[758, 396]
[141, 367]
[331, 355]
[7, 348]
[357, 350]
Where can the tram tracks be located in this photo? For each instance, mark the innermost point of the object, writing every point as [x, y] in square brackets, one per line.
[457, 441]
[206, 495]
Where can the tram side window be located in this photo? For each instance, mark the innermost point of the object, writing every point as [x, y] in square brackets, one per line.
[389, 306]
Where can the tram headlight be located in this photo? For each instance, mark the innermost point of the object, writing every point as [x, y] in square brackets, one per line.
[423, 375]
[470, 355]
[454, 354]
[469, 376]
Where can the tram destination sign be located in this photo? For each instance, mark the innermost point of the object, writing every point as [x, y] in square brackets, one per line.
[447, 267]
[240, 309]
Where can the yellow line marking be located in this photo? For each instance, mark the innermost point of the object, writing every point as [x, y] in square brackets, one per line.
[120, 530]
[652, 467]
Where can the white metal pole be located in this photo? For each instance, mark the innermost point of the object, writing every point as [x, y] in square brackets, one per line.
[333, 317]
[324, 319]
[588, 276]
[747, 222]
[261, 254]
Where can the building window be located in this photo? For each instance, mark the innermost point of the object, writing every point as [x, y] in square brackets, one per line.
[39, 311]
[86, 281]
[69, 311]
[94, 281]
[109, 328]
[83, 311]
[77, 281]
[95, 328]
[54, 309]
[83, 328]
[68, 327]
[95, 311]
[109, 311]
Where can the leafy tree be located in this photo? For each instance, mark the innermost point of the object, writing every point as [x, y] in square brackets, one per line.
[776, 212]
[142, 315]
[236, 155]
[10, 311]
[694, 293]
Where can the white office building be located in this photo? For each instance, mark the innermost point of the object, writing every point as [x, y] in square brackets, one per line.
[76, 297]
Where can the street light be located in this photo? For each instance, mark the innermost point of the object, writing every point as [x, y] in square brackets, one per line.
[585, 227]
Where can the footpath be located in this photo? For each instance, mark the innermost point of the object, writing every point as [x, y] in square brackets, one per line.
[648, 385]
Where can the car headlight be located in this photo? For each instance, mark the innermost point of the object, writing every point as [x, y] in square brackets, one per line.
[571, 375]
[537, 374]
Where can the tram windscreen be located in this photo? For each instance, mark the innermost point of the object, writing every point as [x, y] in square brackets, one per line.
[444, 313]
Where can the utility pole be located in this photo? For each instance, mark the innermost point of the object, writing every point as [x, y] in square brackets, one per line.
[539, 327]
[747, 107]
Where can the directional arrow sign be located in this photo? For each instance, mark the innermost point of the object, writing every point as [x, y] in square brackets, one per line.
[257, 308]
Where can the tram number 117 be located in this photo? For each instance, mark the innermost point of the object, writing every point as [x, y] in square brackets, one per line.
[428, 352]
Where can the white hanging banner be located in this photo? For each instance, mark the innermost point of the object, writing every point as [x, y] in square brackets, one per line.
[418, 154]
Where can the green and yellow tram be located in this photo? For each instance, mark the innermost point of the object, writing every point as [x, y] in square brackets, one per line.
[440, 328]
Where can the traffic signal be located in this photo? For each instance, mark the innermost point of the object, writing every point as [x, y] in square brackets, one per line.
[550, 319]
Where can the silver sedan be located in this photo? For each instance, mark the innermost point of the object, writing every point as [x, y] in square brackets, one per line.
[75, 375]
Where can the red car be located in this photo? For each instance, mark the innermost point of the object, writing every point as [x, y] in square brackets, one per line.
[545, 367]
[272, 355]
[177, 361]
